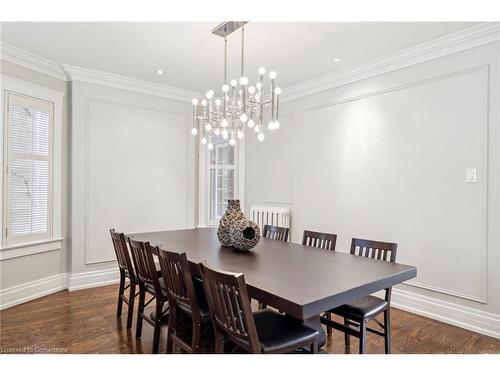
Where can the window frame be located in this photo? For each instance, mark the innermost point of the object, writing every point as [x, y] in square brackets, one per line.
[210, 167]
[13, 98]
[31, 244]
[203, 206]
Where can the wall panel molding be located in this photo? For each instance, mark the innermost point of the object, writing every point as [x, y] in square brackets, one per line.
[484, 77]
[87, 130]
[452, 43]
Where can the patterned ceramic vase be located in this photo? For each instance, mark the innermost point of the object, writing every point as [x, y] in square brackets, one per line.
[235, 230]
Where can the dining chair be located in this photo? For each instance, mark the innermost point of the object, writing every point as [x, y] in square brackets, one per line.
[325, 241]
[263, 331]
[184, 299]
[149, 283]
[275, 233]
[126, 272]
[319, 240]
[359, 312]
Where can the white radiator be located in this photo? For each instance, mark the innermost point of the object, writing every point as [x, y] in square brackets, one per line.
[278, 216]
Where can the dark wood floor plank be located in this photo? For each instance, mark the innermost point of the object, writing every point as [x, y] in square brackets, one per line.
[85, 322]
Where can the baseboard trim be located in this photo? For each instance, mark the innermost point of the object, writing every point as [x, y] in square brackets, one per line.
[32, 290]
[465, 317]
[93, 279]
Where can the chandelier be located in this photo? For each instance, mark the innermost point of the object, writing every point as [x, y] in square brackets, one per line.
[240, 105]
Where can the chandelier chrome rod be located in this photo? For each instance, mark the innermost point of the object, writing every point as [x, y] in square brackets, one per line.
[224, 99]
[238, 108]
[242, 50]
[244, 88]
[225, 60]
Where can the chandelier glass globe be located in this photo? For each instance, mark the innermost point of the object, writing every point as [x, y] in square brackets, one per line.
[238, 103]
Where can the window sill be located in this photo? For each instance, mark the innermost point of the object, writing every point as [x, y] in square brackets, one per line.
[25, 249]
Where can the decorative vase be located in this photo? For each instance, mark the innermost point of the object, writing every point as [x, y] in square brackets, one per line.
[235, 230]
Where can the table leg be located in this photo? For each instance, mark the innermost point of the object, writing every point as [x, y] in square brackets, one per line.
[315, 323]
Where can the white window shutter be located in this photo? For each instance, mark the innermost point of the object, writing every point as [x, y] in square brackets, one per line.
[221, 178]
[28, 170]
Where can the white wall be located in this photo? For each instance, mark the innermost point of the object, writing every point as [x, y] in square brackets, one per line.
[133, 169]
[385, 158]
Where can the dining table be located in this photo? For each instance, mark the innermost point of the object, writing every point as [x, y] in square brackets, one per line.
[300, 281]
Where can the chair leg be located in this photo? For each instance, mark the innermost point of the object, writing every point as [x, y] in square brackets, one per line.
[120, 293]
[362, 337]
[195, 343]
[131, 299]
[314, 347]
[219, 342]
[157, 328]
[329, 329]
[347, 337]
[140, 313]
[387, 331]
[172, 319]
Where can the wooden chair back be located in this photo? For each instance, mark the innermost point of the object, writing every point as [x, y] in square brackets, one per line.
[320, 240]
[145, 268]
[122, 253]
[178, 280]
[229, 306]
[377, 250]
[275, 233]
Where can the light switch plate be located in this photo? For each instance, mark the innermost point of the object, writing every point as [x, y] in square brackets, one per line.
[471, 175]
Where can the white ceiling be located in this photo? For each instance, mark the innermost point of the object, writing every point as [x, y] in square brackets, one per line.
[192, 58]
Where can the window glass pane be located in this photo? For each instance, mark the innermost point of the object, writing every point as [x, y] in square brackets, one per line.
[225, 190]
[221, 178]
[30, 131]
[29, 196]
[212, 196]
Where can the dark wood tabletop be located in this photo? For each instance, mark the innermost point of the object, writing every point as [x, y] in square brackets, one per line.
[299, 280]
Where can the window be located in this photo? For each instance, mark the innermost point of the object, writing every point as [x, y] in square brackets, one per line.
[221, 178]
[28, 169]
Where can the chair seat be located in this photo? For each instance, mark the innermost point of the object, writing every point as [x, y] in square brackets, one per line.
[203, 307]
[201, 298]
[277, 332]
[365, 307]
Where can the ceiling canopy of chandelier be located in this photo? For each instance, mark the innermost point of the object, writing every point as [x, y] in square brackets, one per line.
[240, 105]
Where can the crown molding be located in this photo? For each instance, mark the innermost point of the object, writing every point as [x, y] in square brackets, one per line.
[77, 73]
[31, 61]
[452, 43]
[68, 72]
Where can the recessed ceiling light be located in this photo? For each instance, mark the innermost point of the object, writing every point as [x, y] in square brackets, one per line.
[337, 59]
[159, 71]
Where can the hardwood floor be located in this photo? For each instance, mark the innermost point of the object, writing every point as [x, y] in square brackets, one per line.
[85, 322]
